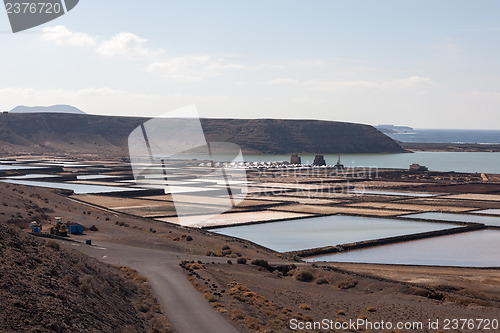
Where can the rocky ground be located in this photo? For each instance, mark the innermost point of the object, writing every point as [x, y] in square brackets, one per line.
[47, 288]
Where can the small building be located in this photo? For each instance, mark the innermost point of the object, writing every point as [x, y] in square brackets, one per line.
[75, 229]
[295, 159]
[418, 167]
[35, 227]
[319, 160]
[339, 165]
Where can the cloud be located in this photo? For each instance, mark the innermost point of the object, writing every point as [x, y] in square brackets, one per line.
[410, 83]
[192, 68]
[125, 44]
[413, 81]
[477, 93]
[304, 63]
[61, 36]
[280, 81]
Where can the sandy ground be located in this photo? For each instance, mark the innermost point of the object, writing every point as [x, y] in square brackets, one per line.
[483, 283]
[340, 210]
[470, 196]
[239, 218]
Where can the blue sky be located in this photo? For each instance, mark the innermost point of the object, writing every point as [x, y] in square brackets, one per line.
[426, 64]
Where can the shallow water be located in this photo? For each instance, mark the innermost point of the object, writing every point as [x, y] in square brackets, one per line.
[488, 211]
[33, 176]
[20, 167]
[472, 249]
[326, 231]
[90, 177]
[488, 220]
[77, 188]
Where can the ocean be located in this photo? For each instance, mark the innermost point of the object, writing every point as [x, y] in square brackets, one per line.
[436, 161]
[448, 136]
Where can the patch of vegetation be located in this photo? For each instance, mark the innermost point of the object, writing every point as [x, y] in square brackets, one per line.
[262, 263]
[304, 276]
[347, 284]
[53, 244]
[322, 281]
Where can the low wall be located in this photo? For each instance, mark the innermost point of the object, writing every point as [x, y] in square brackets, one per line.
[383, 241]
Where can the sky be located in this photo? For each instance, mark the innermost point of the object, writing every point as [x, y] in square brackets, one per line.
[424, 64]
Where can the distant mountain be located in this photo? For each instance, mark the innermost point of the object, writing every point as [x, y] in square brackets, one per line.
[392, 129]
[58, 133]
[47, 109]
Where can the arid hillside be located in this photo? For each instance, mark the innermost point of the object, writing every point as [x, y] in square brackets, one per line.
[51, 133]
[46, 288]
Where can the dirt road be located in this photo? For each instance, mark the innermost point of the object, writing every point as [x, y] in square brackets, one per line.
[184, 306]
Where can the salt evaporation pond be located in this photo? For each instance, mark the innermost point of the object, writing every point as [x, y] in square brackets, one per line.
[470, 249]
[307, 233]
[20, 167]
[488, 211]
[33, 176]
[488, 220]
[92, 177]
[77, 188]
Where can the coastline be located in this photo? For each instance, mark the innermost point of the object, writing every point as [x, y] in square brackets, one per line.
[449, 147]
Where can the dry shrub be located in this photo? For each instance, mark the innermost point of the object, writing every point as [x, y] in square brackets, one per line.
[210, 297]
[241, 261]
[304, 276]
[262, 263]
[253, 323]
[85, 288]
[144, 307]
[133, 274]
[341, 313]
[270, 313]
[237, 314]
[250, 294]
[347, 284]
[217, 305]
[210, 253]
[371, 309]
[195, 266]
[191, 265]
[322, 281]
[53, 244]
[305, 306]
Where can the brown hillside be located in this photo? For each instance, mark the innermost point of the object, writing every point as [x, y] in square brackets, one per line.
[102, 135]
[46, 288]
